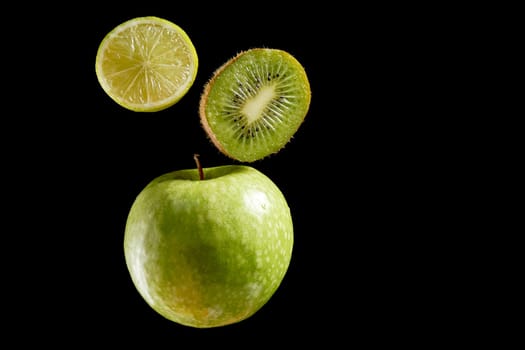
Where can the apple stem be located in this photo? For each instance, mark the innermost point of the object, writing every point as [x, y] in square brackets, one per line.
[199, 167]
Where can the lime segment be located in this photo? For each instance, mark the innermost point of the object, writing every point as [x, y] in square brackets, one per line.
[146, 64]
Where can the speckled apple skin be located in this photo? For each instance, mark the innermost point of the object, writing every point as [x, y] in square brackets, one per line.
[212, 252]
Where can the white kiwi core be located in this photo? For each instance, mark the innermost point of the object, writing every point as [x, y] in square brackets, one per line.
[254, 107]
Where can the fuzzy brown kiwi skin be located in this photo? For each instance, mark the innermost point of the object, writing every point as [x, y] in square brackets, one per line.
[202, 105]
[204, 98]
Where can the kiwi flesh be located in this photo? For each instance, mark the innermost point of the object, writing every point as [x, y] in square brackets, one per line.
[254, 103]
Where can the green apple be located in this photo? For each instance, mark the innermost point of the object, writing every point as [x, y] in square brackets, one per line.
[209, 247]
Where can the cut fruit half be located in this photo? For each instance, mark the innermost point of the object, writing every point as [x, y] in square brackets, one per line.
[255, 103]
[146, 64]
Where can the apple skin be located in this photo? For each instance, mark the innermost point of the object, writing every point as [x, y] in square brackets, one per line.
[208, 253]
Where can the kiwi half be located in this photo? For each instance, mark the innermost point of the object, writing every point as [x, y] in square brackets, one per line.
[254, 103]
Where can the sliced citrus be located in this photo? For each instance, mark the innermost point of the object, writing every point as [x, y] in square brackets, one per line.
[146, 64]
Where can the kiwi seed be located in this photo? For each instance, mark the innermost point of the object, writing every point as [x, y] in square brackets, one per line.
[254, 103]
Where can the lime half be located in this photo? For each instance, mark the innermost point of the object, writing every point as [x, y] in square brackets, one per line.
[146, 64]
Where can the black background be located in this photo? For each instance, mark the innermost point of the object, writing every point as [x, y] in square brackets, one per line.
[358, 176]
